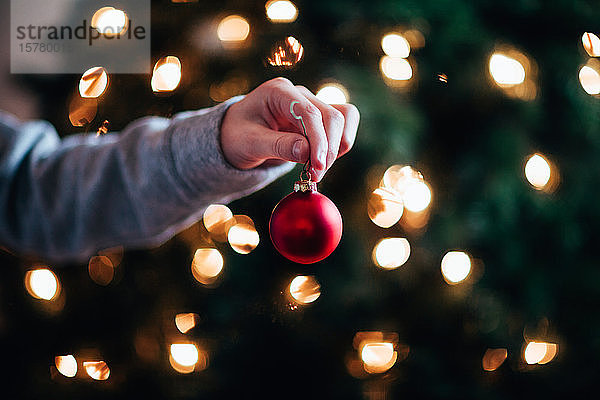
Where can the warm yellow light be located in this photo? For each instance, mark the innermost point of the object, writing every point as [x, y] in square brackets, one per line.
[395, 45]
[233, 28]
[186, 321]
[591, 44]
[551, 350]
[456, 267]
[207, 265]
[505, 70]
[415, 38]
[397, 177]
[395, 68]
[332, 93]
[183, 357]
[417, 196]
[218, 219]
[493, 359]
[589, 77]
[538, 171]
[97, 370]
[385, 207]
[66, 365]
[82, 111]
[101, 270]
[93, 82]
[110, 21]
[281, 11]
[243, 238]
[409, 183]
[42, 284]
[534, 352]
[539, 352]
[378, 357]
[166, 75]
[287, 54]
[390, 253]
[305, 289]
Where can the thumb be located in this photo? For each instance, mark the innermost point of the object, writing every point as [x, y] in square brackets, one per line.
[288, 146]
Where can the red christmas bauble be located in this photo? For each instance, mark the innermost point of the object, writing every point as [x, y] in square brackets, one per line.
[305, 226]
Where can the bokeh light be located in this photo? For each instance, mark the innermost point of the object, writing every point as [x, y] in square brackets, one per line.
[97, 370]
[218, 219]
[101, 270]
[332, 93]
[66, 365]
[417, 196]
[103, 128]
[183, 357]
[539, 352]
[82, 111]
[207, 264]
[242, 236]
[110, 21]
[233, 28]
[415, 38]
[287, 53]
[385, 207]
[395, 45]
[456, 267]
[166, 74]
[514, 73]
[186, 321]
[281, 11]
[410, 184]
[42, 284]
[395, 68]
[378, 357]
[591, 44]
[493, 359]
[589, 77]
[305, 289]
[506, 70]
[538, 171]
[378, 351]
[390, 253]
[93, 82]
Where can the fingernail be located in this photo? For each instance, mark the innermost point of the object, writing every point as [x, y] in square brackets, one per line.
[297, 150]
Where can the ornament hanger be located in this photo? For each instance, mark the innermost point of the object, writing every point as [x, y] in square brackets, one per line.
[304, 174]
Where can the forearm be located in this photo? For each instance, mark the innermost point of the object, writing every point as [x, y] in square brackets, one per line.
[66, 199]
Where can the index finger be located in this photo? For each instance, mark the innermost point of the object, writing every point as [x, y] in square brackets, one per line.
[286, 93]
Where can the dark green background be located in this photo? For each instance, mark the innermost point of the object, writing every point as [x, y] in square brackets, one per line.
[539, 252]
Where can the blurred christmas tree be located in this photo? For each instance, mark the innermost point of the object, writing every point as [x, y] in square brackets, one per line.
[489, 287]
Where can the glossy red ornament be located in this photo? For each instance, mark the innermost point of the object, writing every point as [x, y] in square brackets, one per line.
[305, 226]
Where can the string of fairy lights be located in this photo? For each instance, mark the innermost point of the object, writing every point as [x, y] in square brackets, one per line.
[403, 196]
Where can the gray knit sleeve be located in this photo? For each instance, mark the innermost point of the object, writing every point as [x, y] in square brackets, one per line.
[66, 199]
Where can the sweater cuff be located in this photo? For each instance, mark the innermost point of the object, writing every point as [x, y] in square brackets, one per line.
[199, 162]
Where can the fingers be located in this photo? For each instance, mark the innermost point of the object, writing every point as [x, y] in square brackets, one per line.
[271, 144]
[283, 94]
[333, 120]
[330, 129]
[351, 120]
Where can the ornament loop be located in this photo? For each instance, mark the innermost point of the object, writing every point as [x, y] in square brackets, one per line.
[306, 173]
[307, 164]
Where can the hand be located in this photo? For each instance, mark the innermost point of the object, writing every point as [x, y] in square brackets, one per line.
[260, 128]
